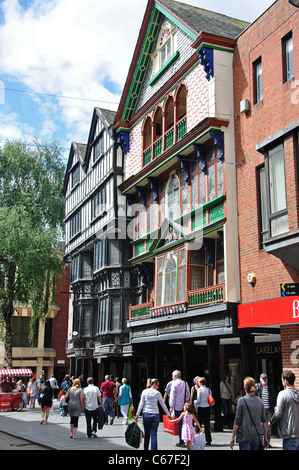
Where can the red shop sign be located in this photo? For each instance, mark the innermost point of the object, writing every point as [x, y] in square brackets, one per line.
[269, 312]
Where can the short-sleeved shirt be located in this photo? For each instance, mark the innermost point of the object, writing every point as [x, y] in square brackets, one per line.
[107, 389]
[91, 394]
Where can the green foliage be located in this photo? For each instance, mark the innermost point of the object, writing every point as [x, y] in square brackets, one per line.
[31, 222]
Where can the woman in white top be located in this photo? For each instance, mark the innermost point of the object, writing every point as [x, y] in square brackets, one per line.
[203, 407]
[149, 400]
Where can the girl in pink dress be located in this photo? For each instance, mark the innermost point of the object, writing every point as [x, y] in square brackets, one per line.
[188, 431]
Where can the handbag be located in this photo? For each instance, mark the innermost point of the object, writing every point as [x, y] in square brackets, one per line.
[211, 400]
[261, 445]
[170, 427]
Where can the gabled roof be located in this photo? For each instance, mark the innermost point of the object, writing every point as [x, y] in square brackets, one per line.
[80, 150]
[201, 20]
[108, 118]
[83, 151]
[192, 20]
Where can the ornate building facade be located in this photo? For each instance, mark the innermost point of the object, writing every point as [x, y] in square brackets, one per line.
[103, 284]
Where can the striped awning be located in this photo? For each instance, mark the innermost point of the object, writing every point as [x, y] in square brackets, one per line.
[16, 373]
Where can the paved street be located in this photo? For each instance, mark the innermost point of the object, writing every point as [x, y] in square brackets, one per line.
[55, 435]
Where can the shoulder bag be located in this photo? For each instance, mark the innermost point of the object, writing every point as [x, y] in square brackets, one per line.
[261, 446]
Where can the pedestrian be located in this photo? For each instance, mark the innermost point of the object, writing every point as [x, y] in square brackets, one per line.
[250, 425]
[227, 398]
[124, 399]
[46, 401]
[74, 395]
[32, 387]
[193, 391]
[116, 405]
[53, 383]
[287, 413]
[167, 391]
[203, 407]
[267, 393]
[91, 399]
[66, 383]
[148, 404]
[108, 390]
[179, 394]
[188, 431]
[63, 404]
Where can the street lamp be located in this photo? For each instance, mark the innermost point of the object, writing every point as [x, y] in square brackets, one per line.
[295, 3]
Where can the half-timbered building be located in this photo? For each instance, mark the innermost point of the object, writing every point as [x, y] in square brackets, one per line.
[102, 281]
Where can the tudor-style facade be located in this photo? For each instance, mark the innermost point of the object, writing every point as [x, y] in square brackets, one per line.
[177, 121]
[102, 281]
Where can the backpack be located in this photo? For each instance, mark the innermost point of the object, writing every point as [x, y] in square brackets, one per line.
[133, 435]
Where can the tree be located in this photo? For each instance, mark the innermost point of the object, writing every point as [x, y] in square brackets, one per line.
[31, 224]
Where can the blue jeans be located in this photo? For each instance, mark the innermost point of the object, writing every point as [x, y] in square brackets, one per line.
[108, 408]
[150, 423]
[290, 444]
[177, 414]
[249, 445]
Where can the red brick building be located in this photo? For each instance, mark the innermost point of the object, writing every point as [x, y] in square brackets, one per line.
[266, 108]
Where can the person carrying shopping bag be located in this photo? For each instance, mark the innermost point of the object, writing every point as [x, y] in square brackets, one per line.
[124, 399]
[149, 400]
[188, 431]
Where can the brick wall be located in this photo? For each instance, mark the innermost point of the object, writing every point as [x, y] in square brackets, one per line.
[60, 322]
[276, 111]
[290, 349]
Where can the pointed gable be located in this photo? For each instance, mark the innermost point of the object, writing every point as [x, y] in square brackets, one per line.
[75, 163]
[102, 121]
[162, 17]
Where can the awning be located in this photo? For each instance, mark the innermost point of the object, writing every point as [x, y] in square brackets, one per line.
[16, 373]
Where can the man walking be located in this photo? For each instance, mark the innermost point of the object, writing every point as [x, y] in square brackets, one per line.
[91, 399]
[267, 393]
[108, 390]
[287, 413]
[179, 394]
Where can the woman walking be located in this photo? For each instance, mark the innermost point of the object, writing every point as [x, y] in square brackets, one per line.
[32, 388]
[250, 426]
[149, 400]
[74, 395]
[46, 401]
[124, 400]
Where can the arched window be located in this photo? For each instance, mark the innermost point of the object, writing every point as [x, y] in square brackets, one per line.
[158, 131]
[173, 198]
[147, 141]
[170, 281]
[169, 124]
[181, 112]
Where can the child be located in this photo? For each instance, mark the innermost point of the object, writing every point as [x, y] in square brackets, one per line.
[63, 405]
[188, 431]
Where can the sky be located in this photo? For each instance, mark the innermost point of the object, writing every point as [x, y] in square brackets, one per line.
[61, 58]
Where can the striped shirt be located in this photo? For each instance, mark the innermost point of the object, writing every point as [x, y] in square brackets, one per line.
[265, 397]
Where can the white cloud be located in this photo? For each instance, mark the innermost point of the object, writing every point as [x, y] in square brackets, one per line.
[74, 48]
[11, 128]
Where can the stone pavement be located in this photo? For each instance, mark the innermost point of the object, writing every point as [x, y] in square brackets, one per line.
[55, 434]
